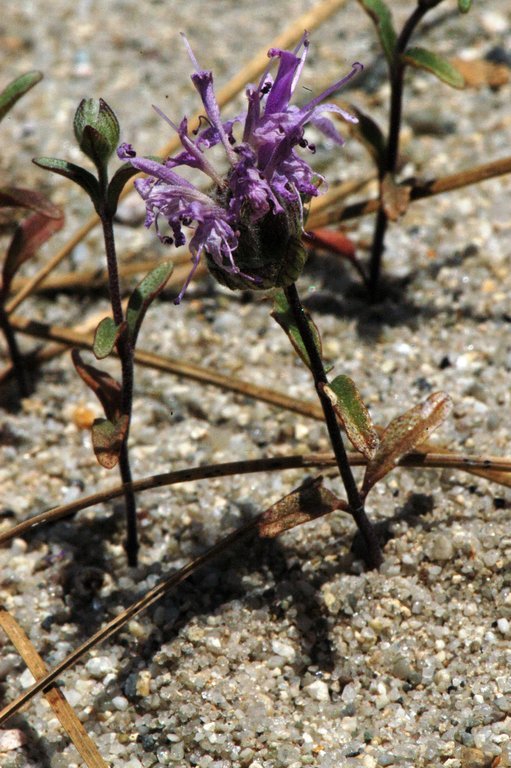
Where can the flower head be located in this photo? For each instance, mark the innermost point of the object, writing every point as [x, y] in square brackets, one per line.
[249, 225]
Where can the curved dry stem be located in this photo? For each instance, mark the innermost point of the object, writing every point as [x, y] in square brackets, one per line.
[208, 376]
[419, 191]
[485, 465]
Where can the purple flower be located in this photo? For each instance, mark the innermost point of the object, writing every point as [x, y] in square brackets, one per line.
[249, 225]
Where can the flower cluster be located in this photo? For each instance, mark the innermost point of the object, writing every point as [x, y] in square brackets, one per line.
[249, 226]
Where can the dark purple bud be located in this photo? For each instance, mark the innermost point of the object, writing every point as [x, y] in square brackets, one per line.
[126, 151]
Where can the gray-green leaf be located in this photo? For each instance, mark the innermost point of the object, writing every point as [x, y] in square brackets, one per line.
[105, 337]
[382, 17]
[420, 58]
[145, 292]
[16, 89]
[75, 173]
[351, 410]
[464, 6]
[284, 317]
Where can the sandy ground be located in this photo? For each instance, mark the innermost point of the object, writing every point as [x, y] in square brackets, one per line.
[285, 653]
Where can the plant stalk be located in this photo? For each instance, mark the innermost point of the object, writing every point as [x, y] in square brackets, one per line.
[373, 553]
[18, 365]
[396, 75]
[125, 350]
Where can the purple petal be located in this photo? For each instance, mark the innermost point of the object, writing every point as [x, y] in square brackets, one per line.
[282, 89]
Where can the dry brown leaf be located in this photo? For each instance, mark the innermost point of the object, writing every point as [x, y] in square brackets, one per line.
[395, 197]
[306, 503]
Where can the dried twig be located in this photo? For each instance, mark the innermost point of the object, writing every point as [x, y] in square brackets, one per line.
[419, 191]
[486, 465]
[53, 695]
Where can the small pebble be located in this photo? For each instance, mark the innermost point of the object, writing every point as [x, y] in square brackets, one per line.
[318, 690]
[440, 547]
[474, 758]
[503, 626]
[99, 666]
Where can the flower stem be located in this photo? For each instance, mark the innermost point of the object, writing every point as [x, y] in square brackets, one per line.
[396, 73]
[125, 350]
[373, 553]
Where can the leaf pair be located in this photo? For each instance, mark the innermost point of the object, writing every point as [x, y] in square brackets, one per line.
[97, 131]
[108, 434]
[401, 436]
[367, 130]
[416, 56]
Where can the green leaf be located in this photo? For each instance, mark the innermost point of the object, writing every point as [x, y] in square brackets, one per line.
[382, 18]
[108, 438]
[403, 434]
[352, 412]
[420, 58]
[284, 317]
[117, 184]
[75, 173]
[464, 6]
[306, 503]
[145, 292]
[16, 89]
[106, 337]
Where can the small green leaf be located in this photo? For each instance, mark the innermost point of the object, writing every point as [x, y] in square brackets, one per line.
[284, 317]
[420, 58]
[351, 410]
[75, 173]
[403, 434]
[16, 89]
[306, 503]
[117, 184]
[108, 438]
[106, 337]
[141, 298]
[382, 17]
[106, 388]
[96, 130]
[464, 6]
